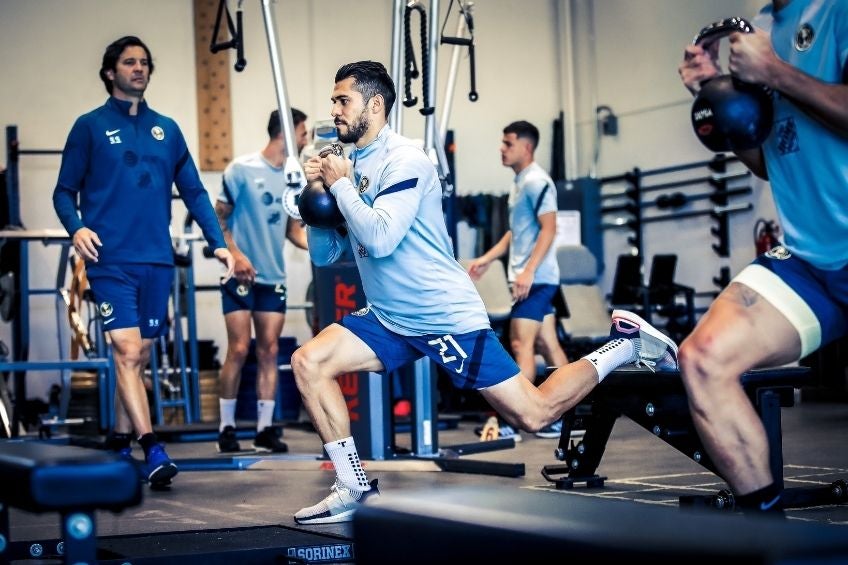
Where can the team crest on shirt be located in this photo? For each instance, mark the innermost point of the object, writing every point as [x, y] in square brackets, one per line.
[779, 252]
[360, 312]
[242, 290]
[105, 309]
[804, 37]
[362, 251]
[363, 184]
[157, 133]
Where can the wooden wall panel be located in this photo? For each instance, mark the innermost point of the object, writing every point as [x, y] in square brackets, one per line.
[214, 113]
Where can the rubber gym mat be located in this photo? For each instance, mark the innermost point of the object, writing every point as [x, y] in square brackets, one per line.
[245, 546]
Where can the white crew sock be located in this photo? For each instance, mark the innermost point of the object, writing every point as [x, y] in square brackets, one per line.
[264, 414]
[228, 413]
[611, 356]
[349, 469]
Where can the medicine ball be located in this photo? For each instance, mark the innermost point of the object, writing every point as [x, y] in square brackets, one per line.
[318, 207]
[729, 114]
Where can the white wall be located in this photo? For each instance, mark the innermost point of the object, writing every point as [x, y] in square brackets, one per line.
[52, 49]
[637, 49]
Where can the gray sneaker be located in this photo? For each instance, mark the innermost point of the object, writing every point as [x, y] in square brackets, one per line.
[652, 348]
[338, 506]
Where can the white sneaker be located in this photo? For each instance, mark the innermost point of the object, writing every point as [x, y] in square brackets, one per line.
[651, 348]
[338, 506]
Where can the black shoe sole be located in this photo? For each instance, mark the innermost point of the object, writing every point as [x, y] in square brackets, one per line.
[263, 449]
[162, 476]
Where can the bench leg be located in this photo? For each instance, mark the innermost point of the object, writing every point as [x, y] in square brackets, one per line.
[768, 405]
[80, 535]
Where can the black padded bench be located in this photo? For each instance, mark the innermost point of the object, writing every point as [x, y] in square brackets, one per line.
[658, 403]
[496, 524]
[41, 477]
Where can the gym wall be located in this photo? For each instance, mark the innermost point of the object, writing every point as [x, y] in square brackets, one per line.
[624, 55]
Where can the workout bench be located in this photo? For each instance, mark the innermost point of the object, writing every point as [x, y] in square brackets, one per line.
[41, 477]
[658, 403]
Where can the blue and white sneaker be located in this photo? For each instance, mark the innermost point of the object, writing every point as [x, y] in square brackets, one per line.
[551, 431]
[651, 348]
[160, 468]
[338, 506]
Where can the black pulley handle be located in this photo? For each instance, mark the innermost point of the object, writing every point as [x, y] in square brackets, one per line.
[721, 29]
[472, 94]
[241, 62]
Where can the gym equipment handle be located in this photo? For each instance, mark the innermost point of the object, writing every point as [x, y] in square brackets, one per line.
[721, 29]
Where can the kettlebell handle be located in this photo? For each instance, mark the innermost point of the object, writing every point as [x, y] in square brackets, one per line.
[723, 28]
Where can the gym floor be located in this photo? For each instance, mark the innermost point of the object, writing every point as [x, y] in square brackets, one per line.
[639, 467]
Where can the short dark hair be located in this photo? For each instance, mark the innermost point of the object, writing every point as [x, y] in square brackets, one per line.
[371, 78]
[274, 126]
[523, 129]
[113, 53]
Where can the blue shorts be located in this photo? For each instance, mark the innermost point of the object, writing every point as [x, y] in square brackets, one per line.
[255, 298]
[537, 305]
[814, 301]
[132, 296]
[473, 360]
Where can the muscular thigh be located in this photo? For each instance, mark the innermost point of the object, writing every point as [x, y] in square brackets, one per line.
[742, 330]
[812, 300]
[238, 326]
[339, 349]
[524, 330]
[269, 326]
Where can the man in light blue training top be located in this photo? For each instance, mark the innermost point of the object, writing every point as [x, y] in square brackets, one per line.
[121, 160]
[532, 269]
[255, 227]
[421, 302]
[793, 299]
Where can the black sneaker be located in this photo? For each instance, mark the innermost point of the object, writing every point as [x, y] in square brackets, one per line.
[267, 440]
[227, 442]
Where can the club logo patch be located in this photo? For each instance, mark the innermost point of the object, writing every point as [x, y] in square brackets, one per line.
[157, 133]
[361, 311]
[363, 184]
[780, 253]
[105, 309]
[242, 290]
[804, 37]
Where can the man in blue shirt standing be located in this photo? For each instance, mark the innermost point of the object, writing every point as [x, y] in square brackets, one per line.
[421, 302]
[532, 269]
[255, 228]
[793, 299]
[121, 161]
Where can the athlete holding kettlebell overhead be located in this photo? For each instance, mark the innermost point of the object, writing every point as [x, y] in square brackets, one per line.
[793, 299]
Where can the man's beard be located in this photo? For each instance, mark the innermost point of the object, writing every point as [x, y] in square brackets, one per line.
[356, 130]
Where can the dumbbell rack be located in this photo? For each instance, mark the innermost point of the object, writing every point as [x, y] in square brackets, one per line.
[633, 202]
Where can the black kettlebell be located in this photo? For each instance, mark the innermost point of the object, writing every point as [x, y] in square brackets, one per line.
[317, 206]
[729, 114]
